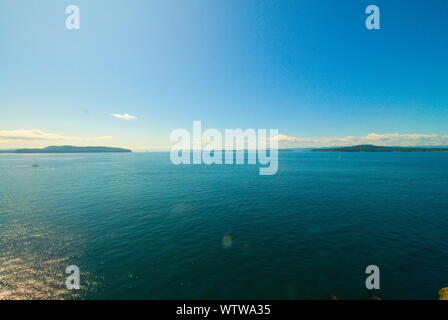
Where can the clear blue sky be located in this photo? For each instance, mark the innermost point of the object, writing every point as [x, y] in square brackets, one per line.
[309, 68]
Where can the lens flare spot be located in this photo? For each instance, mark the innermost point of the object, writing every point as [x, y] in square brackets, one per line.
[227, 242]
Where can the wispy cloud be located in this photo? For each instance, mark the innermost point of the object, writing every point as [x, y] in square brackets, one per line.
[390, 139]
[125, 116]
[34, 134]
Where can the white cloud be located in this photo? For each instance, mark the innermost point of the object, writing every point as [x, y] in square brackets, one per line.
[125, 116]
[390, 139]
[34, 134]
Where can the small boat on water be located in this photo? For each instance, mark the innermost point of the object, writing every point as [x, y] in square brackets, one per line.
[35, 165]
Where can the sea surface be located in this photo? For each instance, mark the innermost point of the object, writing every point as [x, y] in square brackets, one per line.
[139, 227]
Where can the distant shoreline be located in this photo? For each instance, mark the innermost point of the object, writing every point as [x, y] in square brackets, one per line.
[68, 149]
[101, 149]
[372, 148]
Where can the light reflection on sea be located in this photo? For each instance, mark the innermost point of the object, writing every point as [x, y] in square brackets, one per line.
[32, 265]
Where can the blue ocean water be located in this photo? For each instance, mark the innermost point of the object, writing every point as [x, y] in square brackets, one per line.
[139, 227]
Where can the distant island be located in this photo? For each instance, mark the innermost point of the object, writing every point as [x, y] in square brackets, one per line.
[372, 148]
[68, 149]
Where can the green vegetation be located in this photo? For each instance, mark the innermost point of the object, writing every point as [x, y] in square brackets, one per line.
[443, 294]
